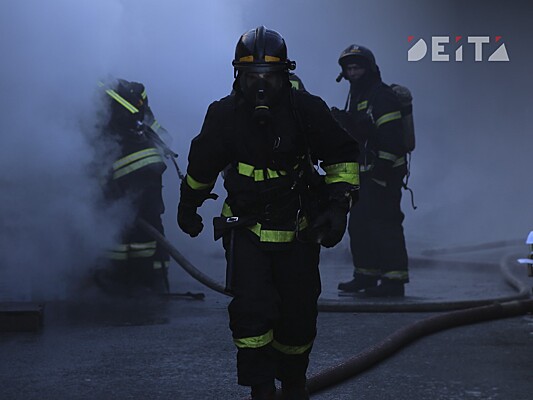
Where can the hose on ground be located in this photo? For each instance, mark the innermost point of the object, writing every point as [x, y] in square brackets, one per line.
[474, 247]
[465, 312]
[410, 333]
[339, 306]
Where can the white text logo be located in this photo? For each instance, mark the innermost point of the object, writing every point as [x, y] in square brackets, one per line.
[439, 53]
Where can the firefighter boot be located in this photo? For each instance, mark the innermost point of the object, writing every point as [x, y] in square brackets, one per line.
[294, 391]
[387, 288]
[358, 283]
[264, 391]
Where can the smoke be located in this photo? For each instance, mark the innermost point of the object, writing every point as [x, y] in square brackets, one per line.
[470, 171]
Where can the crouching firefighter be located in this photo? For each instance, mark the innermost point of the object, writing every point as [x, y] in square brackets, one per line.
[277, 212]
[138, 265]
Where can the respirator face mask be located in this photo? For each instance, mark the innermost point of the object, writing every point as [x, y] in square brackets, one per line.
[263, 90]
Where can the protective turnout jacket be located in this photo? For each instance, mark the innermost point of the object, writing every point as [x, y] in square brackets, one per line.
[265, 163]
[378, 128]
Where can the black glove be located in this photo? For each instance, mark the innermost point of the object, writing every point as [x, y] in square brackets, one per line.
[330, 225]
[189, 221]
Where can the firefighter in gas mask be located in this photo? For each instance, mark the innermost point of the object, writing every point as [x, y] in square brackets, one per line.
[138, 265]
[373, 116]
[272, 221]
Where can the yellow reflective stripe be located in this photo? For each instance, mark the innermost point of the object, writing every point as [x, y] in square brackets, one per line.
[151, 151]
[291, 350]
[347, 167]
[342, 172]
[142, 250]
[265, 235]
[295, 85]
[369, 271]
[142, 253]
[130, 107]
[267, 59]
[399, 275]
[245, 169]
[226, 210]
[142, 246]
[388, 118]
[362, 105]
[115, 255]
[254, 342]
[143, 94]
[161, 265]
[276, 236]
[196, 185]
[132, 250]
[387, 156]
[137, 165]
[399, 161]
[155, 126]
[258, 174]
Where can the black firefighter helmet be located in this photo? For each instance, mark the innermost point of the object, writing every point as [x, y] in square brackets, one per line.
[128, 105]
[356, 54]
[261, 50]
[262, 70]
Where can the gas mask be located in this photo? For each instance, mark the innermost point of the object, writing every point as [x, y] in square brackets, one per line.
[262, 90]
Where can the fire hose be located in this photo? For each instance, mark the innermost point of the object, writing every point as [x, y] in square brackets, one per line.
[336, 306]
[465, 312]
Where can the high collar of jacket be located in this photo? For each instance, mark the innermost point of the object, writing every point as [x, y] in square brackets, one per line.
[363, 85]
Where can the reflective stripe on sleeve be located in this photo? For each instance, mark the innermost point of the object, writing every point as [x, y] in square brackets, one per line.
[362, 105]
[387, 156]
[388, 118]
[196, 185]
[342, 172]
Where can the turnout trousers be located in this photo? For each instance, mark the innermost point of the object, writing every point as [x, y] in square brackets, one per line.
[377, 240]
[274, 309]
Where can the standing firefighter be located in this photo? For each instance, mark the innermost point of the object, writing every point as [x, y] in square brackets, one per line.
[138, 264]
[272, 221]
[376, 234]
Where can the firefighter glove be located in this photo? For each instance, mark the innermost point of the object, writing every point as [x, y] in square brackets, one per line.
[330, 225]
[189, 220]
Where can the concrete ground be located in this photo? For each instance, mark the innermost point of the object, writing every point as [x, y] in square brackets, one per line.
[95, 347]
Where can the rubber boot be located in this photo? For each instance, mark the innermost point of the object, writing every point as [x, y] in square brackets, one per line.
[264, 391]
[387, 288]
[294, 391]
[358, 283]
